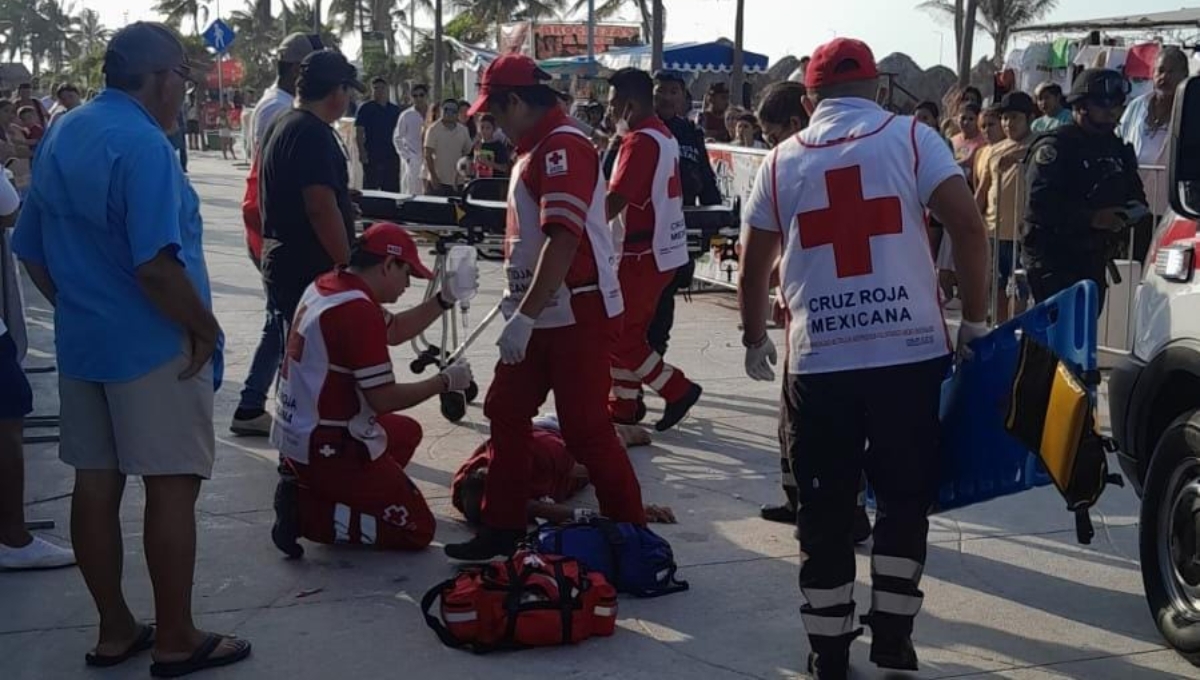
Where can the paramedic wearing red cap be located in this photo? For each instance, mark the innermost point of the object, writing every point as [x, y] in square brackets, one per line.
[334, 421]
[562, 304]
[844, 202]
[645, 198]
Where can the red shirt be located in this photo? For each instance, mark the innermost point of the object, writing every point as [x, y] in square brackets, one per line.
[633, 180]
[355, 336]
[561, 176]
[550, 472]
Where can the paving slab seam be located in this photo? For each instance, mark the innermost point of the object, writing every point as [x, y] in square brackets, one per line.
[1052, 664]
[676, 650]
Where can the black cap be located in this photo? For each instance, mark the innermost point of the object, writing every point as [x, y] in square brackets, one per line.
[327, 67]
[1100, 85]
[143, 48]
[1017, 102]
[667, 75]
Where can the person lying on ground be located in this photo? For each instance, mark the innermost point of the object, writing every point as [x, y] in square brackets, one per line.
[555, 477]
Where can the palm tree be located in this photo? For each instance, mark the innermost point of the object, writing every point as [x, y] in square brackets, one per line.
[739, 54]
[998, 18]
[607, 9]
[174, 12]
[656, 41]
[92, 34]
[500, 12]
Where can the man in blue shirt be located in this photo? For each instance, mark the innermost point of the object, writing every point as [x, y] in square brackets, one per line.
[111, 236]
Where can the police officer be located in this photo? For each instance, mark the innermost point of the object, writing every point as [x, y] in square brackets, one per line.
[1084, 190]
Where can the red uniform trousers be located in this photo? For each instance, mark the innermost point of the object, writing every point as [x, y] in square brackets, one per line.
[347, 498]
[573, 362]
[634, 363]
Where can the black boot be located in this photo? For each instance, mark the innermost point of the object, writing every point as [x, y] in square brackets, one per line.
[487, 544]
[862, 525]
[676, 410]
[891, 648]
[286, 529]
[784, 513]
[829, 665]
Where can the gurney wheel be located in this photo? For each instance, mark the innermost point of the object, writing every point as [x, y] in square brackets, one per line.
[472, 392]
[454, 406]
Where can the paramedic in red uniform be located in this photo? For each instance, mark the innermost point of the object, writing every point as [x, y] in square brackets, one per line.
[844, 201]
[645, 198]
[563, 308]
[335, 422]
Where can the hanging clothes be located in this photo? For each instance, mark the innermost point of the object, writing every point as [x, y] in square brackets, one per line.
[1140, 63]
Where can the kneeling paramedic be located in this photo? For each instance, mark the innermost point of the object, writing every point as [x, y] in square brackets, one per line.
[555, 477]
[645, 203]
[563, 309]
[868, 349]
[335, 422]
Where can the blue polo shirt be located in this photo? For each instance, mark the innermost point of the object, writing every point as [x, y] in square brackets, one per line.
[107, 195]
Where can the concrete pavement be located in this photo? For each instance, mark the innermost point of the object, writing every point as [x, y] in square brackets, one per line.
[1008, 591]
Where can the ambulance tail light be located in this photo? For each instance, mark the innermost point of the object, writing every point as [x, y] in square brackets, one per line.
[1176, 262]
[1174, 231]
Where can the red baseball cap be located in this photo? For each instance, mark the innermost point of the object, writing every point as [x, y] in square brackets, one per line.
[842, 60]
[384, 239]
[510, 70]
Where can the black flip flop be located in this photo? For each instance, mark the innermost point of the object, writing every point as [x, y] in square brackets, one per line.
[143, 641]
[202, 658]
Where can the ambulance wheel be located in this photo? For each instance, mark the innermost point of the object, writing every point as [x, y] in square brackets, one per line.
[454, 406]
[1170, 536]
[472, 392]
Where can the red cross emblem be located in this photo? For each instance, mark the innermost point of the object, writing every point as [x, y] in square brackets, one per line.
[556, 157]
[396, 515]
[850, 221]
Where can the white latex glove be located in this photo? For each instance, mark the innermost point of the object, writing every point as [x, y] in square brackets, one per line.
[967, 332]
[515, 338]
[760, 357]
[458, 376]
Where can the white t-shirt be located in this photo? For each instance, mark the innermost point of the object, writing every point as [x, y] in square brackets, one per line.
[273, 102]
[1151, 148]
[857, 273]
[409, 138]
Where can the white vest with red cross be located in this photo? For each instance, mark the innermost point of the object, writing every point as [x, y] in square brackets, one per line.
[666, 196]
[857, 271]
[303, 375]
[524, 240]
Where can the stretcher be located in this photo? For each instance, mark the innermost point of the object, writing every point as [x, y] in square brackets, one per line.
[981, 460]
[470, 219]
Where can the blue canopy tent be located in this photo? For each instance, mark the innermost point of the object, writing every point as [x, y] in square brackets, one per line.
[711, 57]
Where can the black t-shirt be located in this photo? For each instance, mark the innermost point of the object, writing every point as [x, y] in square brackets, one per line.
[379, 122]
[499, 151]
[299, 151]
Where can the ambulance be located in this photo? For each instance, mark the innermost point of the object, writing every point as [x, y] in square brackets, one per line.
[1154, 396]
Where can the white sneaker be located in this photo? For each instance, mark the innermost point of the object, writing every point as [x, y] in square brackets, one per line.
[39, 554]
[259, 426]
[953, 304]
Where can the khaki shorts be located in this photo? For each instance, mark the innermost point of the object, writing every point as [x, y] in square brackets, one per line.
[154, 425]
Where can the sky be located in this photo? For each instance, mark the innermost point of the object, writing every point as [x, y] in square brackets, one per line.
[780, 27]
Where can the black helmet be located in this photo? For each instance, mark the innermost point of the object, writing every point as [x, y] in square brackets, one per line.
[1099, 85]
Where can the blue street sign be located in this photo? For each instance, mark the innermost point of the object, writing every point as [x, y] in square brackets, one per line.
[219, 36]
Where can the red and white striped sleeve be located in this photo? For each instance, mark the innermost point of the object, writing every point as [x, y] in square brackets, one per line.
[564, 173]
[356, 337]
